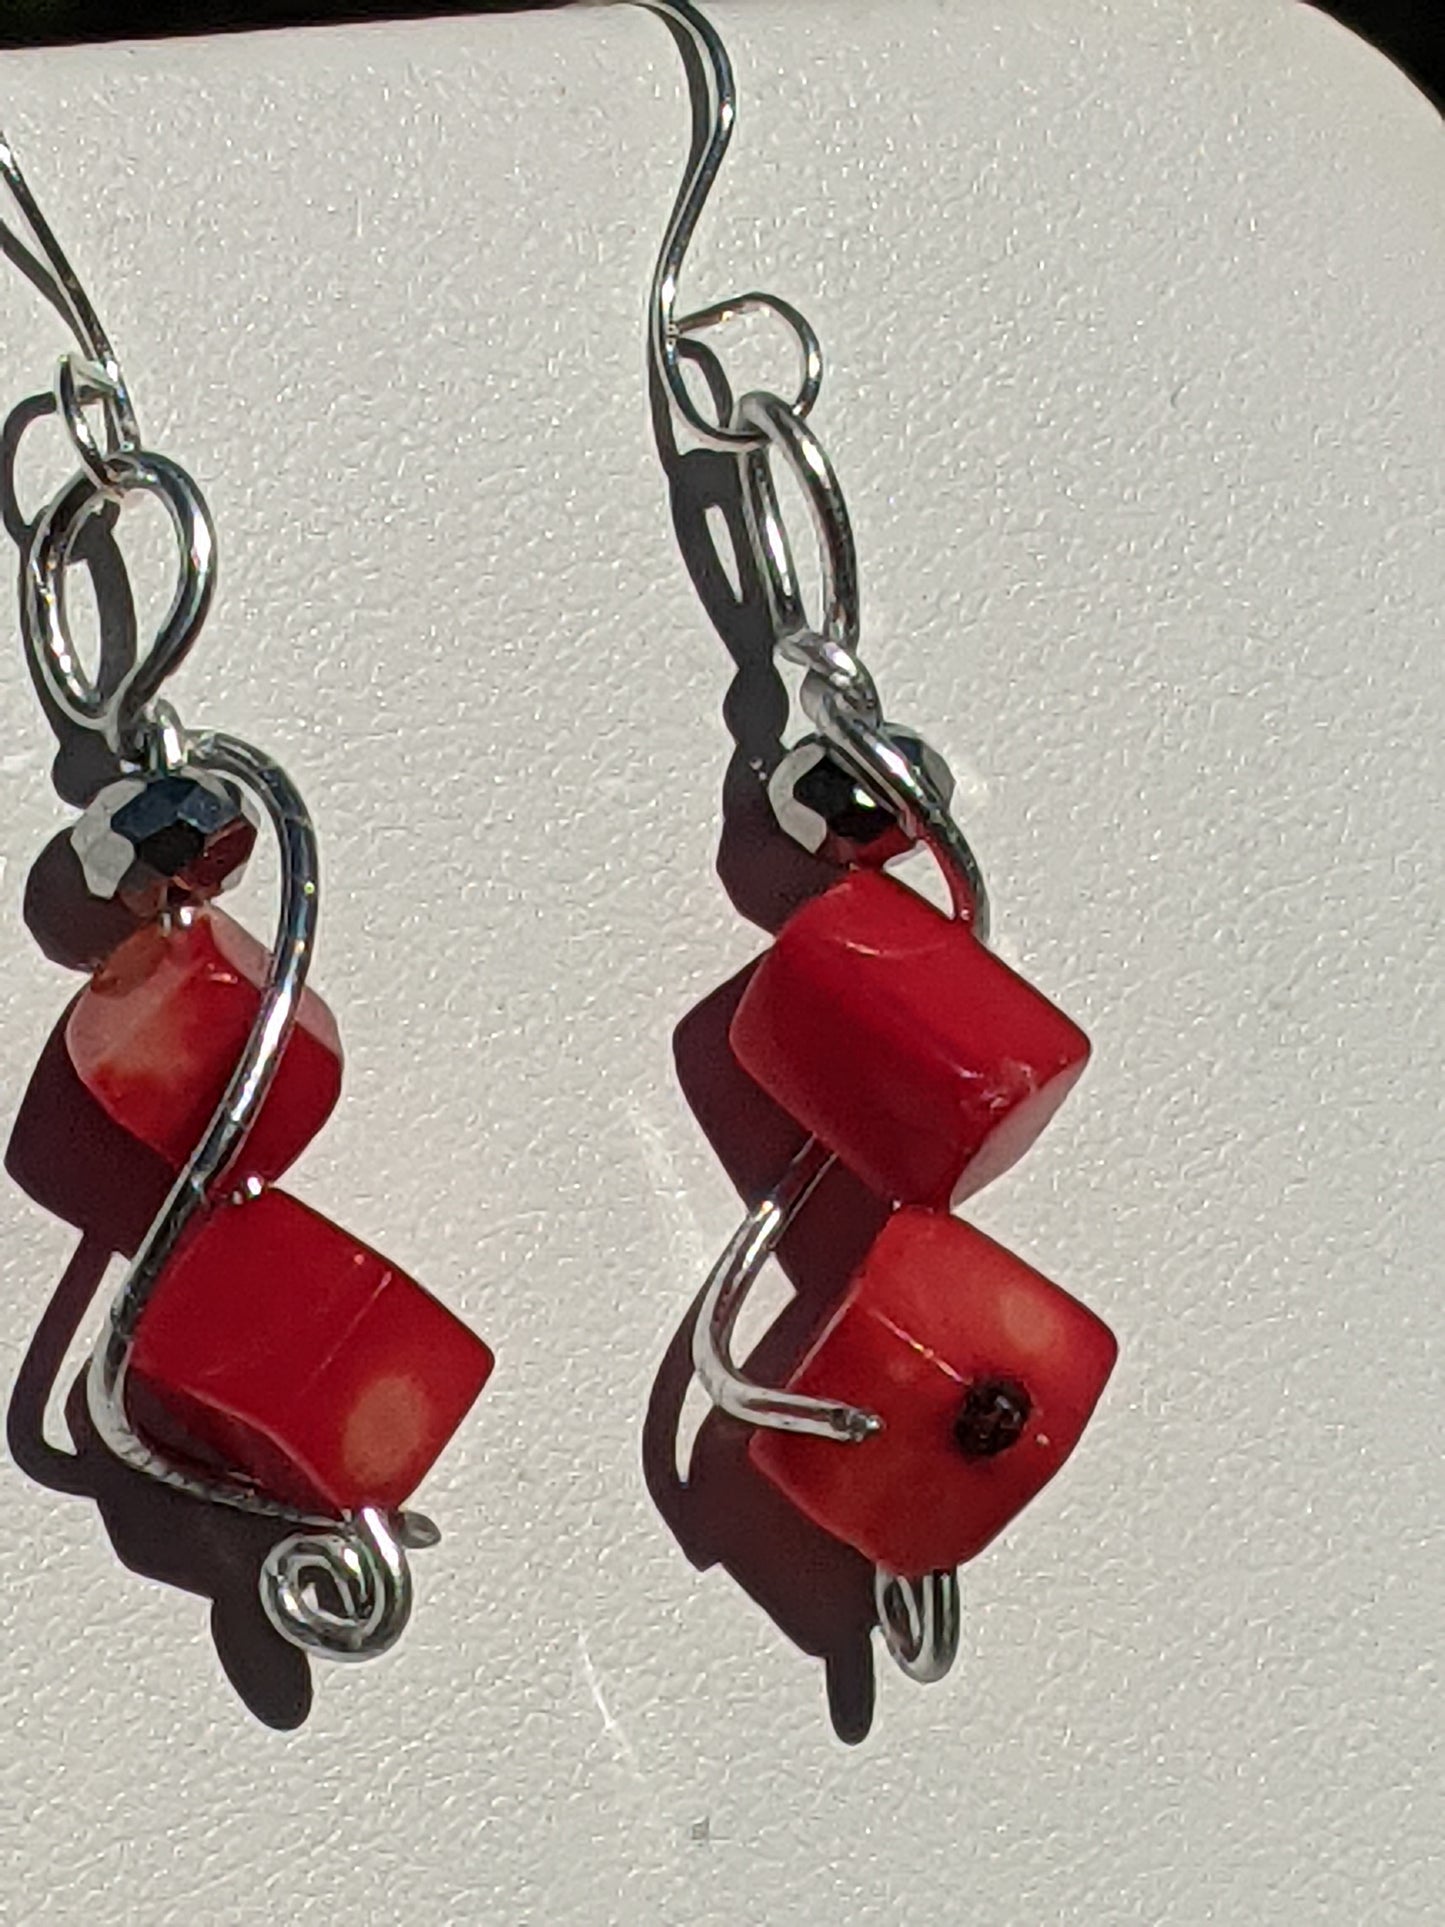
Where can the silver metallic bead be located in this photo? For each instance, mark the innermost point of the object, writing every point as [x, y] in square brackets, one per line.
[156, 842]
[835, 813]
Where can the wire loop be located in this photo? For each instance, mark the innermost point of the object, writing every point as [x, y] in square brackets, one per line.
[783, 432]
[58, 281]
[119, 715]
[363, 1565]
[704, 49]
[920, 1621]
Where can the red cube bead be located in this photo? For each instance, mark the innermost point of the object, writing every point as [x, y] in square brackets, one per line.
[984, 1375]
[278, 1347]
[903, 1043]
[159, 1031]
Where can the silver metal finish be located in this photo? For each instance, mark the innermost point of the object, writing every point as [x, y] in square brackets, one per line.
[362, 1556]
[779, 430]
[334, 1587]
[911, 787]
[119, 715]
[920, 1621]
[365, 1570]
[216, 1167]
[734, 1275]
[665, 327]
[101, 370]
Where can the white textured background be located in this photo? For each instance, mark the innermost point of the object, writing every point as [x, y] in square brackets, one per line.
[1133, 312]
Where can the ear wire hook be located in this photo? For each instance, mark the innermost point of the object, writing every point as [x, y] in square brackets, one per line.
[95, 375]
[701, 44]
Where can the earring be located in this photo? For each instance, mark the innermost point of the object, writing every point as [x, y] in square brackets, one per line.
[952, 1380]
[257, 1356]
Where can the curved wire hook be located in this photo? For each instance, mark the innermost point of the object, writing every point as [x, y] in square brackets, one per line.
[53, 275]
[919, 1617]
[666, 329]
[728, 1285]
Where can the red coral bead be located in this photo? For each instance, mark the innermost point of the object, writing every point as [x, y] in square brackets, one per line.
[277, 1346]
[984, 1375]
[896, 1037]
[158, 1033]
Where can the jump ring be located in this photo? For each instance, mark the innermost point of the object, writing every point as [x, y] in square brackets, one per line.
[731, 435]
[783, 430]
[49, 554]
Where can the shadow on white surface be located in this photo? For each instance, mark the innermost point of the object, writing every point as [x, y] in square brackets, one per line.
[816, 1590]
[69, 1157]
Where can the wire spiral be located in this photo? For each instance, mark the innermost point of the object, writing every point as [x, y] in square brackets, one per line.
[362, 1565]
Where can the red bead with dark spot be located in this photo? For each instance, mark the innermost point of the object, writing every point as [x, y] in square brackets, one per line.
[984, 1375]
[158, 1033]
[894, 1035]
[277, 1346]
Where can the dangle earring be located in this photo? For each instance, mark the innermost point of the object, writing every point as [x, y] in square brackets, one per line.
[952, 1380]
[257, 1356]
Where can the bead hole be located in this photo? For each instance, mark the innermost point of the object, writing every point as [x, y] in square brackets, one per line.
[992, 1418]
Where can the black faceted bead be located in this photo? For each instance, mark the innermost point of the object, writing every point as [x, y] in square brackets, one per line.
[157, 842]
[837, 814]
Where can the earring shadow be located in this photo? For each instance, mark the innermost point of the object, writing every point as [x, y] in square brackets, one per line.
[67, 1155]
[722, 1512]
[817, 1591]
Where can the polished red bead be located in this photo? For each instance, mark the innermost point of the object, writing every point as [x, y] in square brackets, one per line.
[984, 1375]
[278, 1347]
[903, 1043]
[158, 1033]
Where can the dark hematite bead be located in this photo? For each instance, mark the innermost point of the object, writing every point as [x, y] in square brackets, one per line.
[993, 1416]
[848, 808]
[835, 813]
[156, 842]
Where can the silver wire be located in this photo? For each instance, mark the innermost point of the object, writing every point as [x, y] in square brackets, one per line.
[359, 1560]
[362, 1556]
[920, 1619]
[666, 328]
[120, 715]
[54, 274]
[782, 431]
[732, 1278]
[365, 1567]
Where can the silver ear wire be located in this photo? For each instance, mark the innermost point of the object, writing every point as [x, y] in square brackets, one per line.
[98, 376]
[703, 45]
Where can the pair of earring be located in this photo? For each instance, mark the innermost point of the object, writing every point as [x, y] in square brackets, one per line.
[260, 1357]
